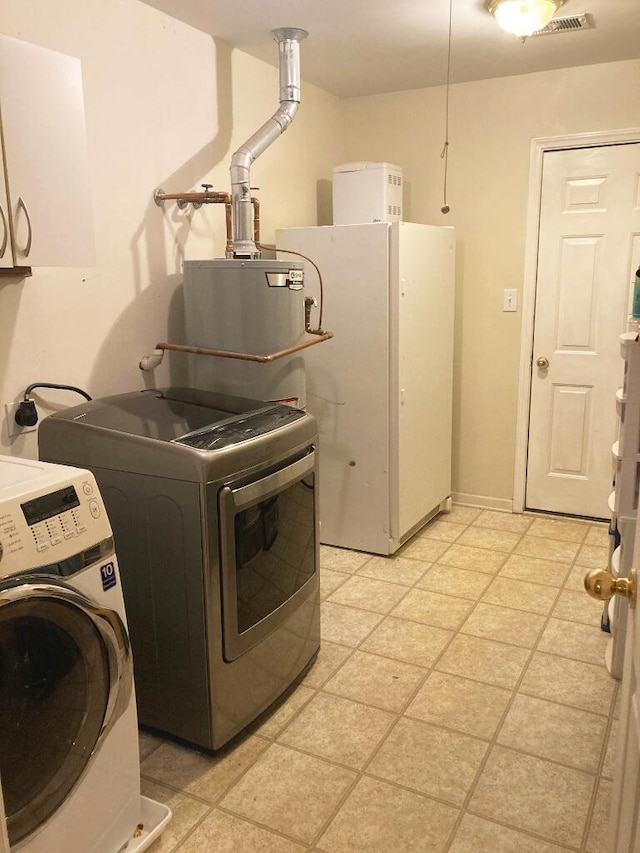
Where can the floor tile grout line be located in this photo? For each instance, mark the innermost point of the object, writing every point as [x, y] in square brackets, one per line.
[192, 830]
[599, 776]
[494, 739]
[443, 651]
[216, 803]
[319, 689]
[375, 752]
[515, 690]
[307, 845]
[399, 715]
[362, 772]
[562, 764]
[498, 729]
[529, 833]
[499, 572]
[489, 741]
[226, 751]
[592, 807]
[359, 774]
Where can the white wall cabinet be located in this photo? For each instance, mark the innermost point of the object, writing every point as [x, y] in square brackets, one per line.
[47, 218]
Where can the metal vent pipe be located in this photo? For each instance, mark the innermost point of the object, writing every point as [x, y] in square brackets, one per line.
[288, 39]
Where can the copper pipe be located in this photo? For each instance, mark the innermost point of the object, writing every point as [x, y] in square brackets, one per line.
[307, 304]
[227, 216]
[256, 219]
[245, 356]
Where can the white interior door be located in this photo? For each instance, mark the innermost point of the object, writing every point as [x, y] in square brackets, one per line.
[625, 808]
[587, 254]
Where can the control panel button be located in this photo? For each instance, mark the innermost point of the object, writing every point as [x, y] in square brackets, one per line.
[69, 534]
[56, 540]
[42, 547]
[87, 488]
[94, 509]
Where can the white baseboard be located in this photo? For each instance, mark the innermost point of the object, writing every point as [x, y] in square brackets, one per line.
[503, 504]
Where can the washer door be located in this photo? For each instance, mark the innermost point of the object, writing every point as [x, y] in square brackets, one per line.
[65, 677]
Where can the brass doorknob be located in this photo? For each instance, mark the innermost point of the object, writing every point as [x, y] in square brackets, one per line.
[542, 362]
[602, 585]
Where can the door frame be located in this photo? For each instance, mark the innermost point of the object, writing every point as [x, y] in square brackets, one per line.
[539, 147]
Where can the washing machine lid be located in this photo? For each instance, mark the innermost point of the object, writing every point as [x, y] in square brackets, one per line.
[175, 433]
[166, 414]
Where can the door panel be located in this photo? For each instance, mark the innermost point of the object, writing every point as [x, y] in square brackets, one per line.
[577, 286]
[587, 252]
[570, 416]
[625, 806]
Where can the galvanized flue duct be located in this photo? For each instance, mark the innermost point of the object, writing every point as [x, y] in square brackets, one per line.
[288, 39]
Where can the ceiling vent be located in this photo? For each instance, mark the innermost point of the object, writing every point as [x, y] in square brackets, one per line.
[568, 24]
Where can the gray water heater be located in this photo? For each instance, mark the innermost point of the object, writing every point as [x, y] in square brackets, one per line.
[246, 306]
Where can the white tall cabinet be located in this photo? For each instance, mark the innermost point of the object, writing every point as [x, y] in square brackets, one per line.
[46, 216]
[381, 389]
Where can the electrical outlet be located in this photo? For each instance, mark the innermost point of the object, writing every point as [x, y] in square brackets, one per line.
[13, 429]
[510, 300]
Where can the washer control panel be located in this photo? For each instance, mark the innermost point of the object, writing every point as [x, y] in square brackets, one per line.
[49, 518]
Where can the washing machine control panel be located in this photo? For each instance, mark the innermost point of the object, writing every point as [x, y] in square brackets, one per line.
[50, 521]
[241, 428]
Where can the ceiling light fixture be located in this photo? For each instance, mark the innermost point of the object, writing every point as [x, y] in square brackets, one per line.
[523, 17]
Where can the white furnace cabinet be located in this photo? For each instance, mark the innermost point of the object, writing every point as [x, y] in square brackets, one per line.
[381, 389]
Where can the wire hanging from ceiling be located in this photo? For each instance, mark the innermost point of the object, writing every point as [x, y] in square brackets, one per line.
[445, 150]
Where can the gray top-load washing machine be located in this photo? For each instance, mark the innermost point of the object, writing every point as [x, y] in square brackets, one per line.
[214, 506]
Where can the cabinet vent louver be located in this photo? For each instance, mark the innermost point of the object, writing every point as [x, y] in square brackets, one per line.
[568, 24]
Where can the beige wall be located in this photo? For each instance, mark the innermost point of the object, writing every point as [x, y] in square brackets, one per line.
[491, 127]
[165, 107]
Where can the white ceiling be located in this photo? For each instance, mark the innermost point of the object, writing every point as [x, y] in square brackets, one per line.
[363, 47]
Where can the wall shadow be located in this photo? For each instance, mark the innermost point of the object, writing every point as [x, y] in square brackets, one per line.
[148, 243]
[324, 195]
[457, 362]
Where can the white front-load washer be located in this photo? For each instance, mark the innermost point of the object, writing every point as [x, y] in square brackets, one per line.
[69, 762]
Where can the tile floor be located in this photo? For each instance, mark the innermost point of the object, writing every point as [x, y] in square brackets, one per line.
[459, 703]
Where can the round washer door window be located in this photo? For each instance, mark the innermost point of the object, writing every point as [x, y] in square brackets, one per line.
[54, 693]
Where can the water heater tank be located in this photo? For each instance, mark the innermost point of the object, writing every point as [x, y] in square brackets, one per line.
[250, 306]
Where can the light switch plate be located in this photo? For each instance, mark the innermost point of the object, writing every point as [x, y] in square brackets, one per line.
[510, 300]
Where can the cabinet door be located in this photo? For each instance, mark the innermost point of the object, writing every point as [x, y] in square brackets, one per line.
[6, 250]
[46, 155]
[348, 380]
[422, 292]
